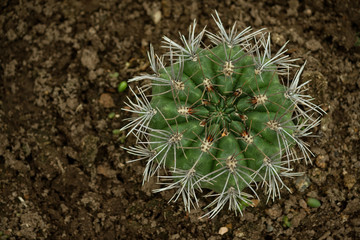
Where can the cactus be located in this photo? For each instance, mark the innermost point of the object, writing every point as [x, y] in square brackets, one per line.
[224, 117]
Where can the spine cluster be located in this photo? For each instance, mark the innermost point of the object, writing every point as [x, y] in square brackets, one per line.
[224, 116]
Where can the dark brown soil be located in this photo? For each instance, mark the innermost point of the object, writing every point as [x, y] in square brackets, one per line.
[63, 174]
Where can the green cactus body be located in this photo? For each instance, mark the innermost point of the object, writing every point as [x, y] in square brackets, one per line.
[220, 118]
[221, 113]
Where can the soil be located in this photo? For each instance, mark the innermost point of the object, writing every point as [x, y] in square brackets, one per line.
[63, 173]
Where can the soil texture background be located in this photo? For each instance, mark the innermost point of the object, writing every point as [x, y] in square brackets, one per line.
[63, 173]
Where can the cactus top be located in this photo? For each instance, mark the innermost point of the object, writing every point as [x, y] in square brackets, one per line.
[221, 117]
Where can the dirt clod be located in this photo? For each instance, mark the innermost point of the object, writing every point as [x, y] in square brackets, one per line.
[106, 100]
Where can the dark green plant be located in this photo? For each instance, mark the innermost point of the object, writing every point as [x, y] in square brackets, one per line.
[224, 117]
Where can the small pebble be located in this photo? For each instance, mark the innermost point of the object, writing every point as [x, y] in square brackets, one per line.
[308, 12]
[321, 161]
[269, 228]
[157, 16]
[302, 183]
[223, 230]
